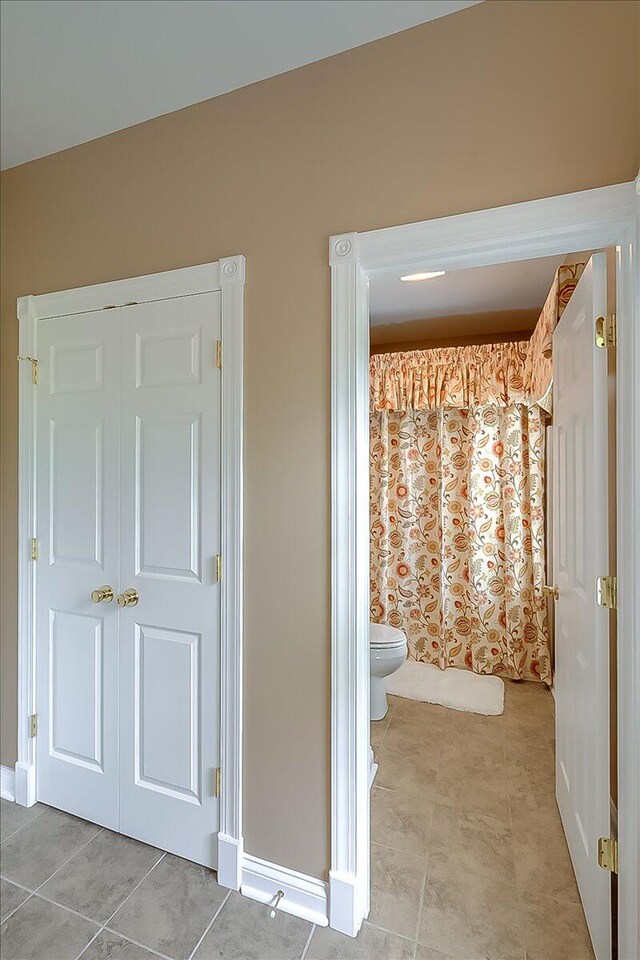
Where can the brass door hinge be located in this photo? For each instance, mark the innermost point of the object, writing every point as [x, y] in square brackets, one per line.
[606, 331]
[33, 725]
[608, 854]
[216, 782]
[219, 354]
[34, 549]
[607, 592]
[34, 368]
[217, 568]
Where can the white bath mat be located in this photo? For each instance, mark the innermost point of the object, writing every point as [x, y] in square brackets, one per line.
[458, 689]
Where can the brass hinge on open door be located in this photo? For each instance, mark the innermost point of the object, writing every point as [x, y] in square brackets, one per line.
[33, 725]
[606, 331]
[219, 354]
[34, 368]
[216, 782]
[608, 854]
[217, 568]
[34, 548]
[607, 592]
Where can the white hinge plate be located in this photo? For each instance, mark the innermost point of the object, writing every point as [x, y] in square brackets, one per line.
[34, 549]
[219, 354]
[33, 725]
[606, 332]
[607, 592]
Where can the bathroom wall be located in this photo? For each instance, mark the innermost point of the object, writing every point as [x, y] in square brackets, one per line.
[500, 103]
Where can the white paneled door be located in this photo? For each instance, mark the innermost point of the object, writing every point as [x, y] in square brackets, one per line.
[580, 556]
[128, 501]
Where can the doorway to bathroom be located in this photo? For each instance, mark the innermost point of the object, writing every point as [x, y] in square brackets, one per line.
[461, 616]
[464, 371]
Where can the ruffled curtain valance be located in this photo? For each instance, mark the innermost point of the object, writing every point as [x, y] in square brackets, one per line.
[460, 377]
[478, 375]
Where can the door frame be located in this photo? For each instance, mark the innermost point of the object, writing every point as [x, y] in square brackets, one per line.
[227, 276]
[602, 217]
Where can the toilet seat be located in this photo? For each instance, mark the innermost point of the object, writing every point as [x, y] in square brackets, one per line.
[382, 636]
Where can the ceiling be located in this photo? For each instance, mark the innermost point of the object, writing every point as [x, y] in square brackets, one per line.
[74, 70]
[492, 294]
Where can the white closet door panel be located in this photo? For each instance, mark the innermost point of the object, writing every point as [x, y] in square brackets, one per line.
[170, 532]
[78, 505]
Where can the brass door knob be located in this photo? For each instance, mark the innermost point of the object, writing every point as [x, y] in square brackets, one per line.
[102, 594]
[129, 598]
[553, 591]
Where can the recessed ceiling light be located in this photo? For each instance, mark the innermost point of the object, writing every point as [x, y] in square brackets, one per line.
[414, 277]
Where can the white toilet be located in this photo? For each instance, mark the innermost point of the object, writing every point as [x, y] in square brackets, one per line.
[387, 653]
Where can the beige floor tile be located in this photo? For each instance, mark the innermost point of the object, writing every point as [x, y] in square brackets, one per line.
[461, 726]
[13, 816]
[476, 785]
[43, 931]
[370, 944]
[529, 697]
[378, 730]
[243, 931]
[418, 711]
[404, 734]
[543, 868]
[111, 946]
[531, 776]
[405, 769]
[555, 931]
[32, 854]
[97, 880]
[537, 822]
[171, 908]
[397, 879]
[401, 822]
[529, 729]
[425, 952]
[469, 916]
[10, 898]
[463, 843]
[460, 745]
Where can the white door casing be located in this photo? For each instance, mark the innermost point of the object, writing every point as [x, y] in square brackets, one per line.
[171, 359]
[580, 556]
[587, 220]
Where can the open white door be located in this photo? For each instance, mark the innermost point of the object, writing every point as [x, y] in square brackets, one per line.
[580, 556]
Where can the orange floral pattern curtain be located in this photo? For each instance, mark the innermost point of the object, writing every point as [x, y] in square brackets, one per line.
[457, 525]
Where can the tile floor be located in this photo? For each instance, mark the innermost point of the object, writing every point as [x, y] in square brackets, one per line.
[468, 863]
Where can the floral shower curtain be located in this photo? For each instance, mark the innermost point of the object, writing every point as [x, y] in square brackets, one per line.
[457, 524]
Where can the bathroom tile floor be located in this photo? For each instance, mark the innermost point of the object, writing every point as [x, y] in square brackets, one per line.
[469, 862]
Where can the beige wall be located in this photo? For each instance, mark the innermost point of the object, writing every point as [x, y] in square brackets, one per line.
[496, 104]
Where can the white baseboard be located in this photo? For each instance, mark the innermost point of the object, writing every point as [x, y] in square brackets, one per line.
[7, 783]
[304, 896]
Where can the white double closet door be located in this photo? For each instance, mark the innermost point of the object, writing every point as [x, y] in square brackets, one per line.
[128, 496]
